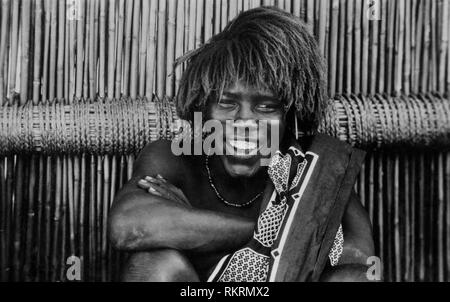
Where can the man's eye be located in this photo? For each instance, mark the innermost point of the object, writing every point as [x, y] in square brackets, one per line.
[267, 107]
[227, 104]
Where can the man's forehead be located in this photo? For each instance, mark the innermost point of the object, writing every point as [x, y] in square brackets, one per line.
[240, 88]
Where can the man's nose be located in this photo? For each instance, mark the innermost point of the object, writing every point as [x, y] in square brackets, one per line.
[245, 113]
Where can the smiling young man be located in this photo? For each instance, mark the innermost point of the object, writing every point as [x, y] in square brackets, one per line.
[227, 216]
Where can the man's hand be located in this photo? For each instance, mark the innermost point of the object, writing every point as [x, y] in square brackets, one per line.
[159, 186]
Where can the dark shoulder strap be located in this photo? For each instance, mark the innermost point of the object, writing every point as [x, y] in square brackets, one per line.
[304, 251]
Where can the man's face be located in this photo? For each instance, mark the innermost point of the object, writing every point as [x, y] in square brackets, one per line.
[242, 110]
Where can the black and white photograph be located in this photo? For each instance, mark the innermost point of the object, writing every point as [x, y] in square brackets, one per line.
[224, 141]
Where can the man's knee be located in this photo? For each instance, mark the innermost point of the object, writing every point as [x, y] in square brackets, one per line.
[160, 265]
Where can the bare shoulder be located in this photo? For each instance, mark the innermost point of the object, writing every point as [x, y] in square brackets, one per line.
[157, 158]
[358, 238]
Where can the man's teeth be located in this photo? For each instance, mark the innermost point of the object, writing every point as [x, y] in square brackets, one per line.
[243, 145]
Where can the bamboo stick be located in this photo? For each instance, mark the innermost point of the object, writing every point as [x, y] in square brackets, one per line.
[4, 32]
[25, 50]
[10, 209]
[111, 49]
[92, 226]
[440, 217]
[128, 26]
[390, 258]
[430, 220]
[56, 219]
[407, 218]
[68, 63]
[217, 14]
[191, 9]
[208, 23]
[36, 51]
[60, 39]
[448, 54]
[370, 203]
[130, 162]
[119, 52]
[52, 65]
[81, 216]
[421, 216]
[4, 209]
[365, 49]
[87, 35]
[223, 19]
[18, 193]
[98, 217]
[179, 43]
[418, 49]
[102, 51]
[29, 246]
[356, 47]
[382, 48]
[63, 211]
[151, 50]
[232, 9]
[170, 45]
[161, 61]
[76, 192]
[39, 210]
[71, 187]
[332, 74]
[14, 50]
[381, 212]
[48, 223]
[91, 49]
[407, 42]
[426, 45]
[80, 33]
[134, 50]
[398, 59]
[349, 46]
[112, 270]
[433, 51]
[187, 22]
[413, 190]
[143, 40]
[340, 64]
[105, 211]
[390, 45]
[374, 47]
[397, 247]
[322, 26]
[447, 214]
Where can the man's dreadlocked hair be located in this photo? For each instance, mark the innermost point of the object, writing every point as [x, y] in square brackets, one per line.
[265, 48]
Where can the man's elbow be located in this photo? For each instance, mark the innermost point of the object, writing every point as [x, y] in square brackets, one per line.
[118, 231]
[126, 233]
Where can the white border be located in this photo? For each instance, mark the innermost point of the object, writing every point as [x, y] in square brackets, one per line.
[291, 217]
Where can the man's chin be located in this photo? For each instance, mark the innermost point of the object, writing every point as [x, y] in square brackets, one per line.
[241, 166]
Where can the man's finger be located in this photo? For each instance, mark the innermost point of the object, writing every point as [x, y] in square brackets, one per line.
[164, 187]
[143, 184]
[166, 193]
[172, 187]
[153, 191]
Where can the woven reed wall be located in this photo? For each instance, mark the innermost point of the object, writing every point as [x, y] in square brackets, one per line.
[55, 199]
